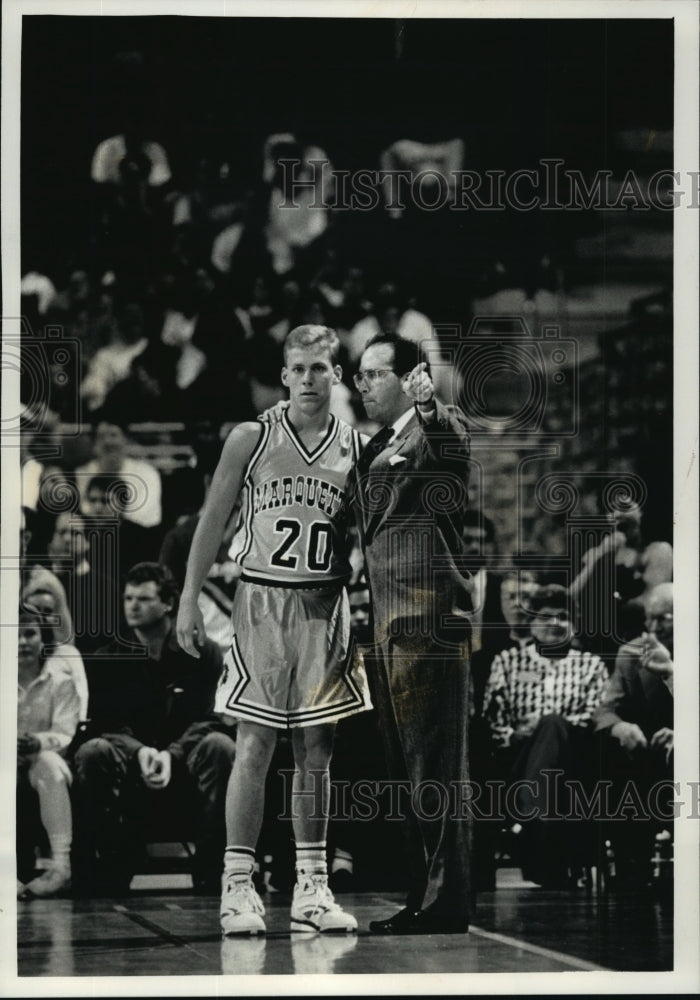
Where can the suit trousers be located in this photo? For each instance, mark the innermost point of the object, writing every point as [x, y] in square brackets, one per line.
[420, 691]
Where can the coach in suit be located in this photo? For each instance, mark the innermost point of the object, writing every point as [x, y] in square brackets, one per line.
[409, 494]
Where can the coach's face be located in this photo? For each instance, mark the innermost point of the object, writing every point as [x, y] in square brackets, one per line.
[310, 375]
[382, 396]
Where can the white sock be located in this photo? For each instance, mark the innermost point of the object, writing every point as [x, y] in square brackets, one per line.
[311, 859]
[60, 850]
[239, 861]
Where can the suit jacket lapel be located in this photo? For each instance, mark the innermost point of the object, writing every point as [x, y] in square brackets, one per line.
[381, 476]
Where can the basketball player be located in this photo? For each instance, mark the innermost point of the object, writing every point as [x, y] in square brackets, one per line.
[291, 662]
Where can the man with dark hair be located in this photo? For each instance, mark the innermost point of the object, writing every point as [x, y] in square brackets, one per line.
[409, 491]
[539, 703]
[155, 745]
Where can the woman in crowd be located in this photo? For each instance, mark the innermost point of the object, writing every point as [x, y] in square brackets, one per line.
[48, 709]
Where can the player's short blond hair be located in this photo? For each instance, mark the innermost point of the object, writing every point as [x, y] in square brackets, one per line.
[313, 335]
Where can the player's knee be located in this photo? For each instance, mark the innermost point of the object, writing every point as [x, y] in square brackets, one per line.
[255, 746]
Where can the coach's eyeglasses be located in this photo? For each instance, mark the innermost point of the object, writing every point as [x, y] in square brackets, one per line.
[371, 376]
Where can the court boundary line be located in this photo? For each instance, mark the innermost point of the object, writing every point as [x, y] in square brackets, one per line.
[536, 949]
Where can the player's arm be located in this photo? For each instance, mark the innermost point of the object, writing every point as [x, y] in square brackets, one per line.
[223, 492]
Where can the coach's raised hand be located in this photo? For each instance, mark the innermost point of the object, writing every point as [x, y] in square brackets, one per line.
[190, 626]
[418, 385]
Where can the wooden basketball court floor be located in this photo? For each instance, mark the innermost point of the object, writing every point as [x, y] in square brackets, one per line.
[517, 929]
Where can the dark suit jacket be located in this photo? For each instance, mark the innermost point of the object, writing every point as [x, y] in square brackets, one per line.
[634, 694]
[409, 506]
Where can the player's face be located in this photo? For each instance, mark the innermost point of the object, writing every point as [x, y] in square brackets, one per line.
[310, 375]
[143, 606]
[383, 399]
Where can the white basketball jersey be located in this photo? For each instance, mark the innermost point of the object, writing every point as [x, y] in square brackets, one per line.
[291, 530]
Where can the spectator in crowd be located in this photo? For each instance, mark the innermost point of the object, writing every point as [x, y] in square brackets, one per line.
[621, 568]
[40, 290]
[154, 747]
[42, 484]
[207, 215]
[130, 164]
[515, 589]
[505, 608]
[655, 568]
[437, 161]
[635, 724]
[87, 579]
[112, 364]
[48, 710]
[45, 595]
[216, 596]
[479, 540]
[104, 503]
[297, 216]
[143, 505]
[539, 703]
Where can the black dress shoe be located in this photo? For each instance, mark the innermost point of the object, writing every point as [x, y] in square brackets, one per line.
[420, 922]
[396, 924]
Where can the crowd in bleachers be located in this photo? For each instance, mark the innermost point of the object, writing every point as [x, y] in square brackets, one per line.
[180, 313]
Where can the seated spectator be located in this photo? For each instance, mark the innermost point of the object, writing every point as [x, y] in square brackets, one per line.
[143, 506]
[619, 569]
[48, 709]
[45, 595]
[635, 723]
[154, 747]
[112, 364]
[216, 597]
[507, 616]
[88, 583]
[539, 703]
[297, 217]
[35, 577]
[655, 568]
[104, 503]
[129, 160]
[439, 161]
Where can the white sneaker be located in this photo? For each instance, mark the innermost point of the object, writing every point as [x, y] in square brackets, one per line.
[315, 909]
[55, 879]
[242, 910]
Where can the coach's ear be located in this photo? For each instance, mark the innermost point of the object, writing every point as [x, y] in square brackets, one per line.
[337, 374]
[284, 376]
